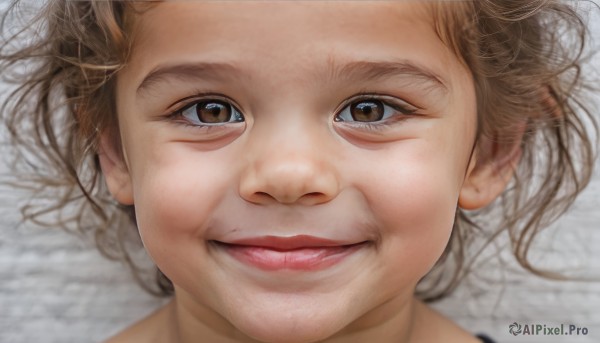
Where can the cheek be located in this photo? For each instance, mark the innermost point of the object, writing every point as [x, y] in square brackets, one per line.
[414, 199]
[175, 191]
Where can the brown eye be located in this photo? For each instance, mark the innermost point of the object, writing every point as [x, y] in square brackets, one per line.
[367, 110]
[211, 112]
[373, 111]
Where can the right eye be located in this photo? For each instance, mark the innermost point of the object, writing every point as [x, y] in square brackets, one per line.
[211, 112]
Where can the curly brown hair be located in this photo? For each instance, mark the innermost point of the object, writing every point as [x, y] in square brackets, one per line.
[526, 59]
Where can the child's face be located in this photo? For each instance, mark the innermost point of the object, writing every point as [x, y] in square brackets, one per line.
[349, 122]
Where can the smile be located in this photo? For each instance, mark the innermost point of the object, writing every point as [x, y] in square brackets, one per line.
[301, 253]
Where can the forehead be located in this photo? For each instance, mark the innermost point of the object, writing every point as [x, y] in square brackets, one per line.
[299, 38]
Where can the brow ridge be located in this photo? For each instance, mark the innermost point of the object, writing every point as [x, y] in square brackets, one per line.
[374, 70]
[185, 71]
[354, 70]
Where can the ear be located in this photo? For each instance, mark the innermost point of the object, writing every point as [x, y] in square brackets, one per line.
[115, 170]
[490, 169]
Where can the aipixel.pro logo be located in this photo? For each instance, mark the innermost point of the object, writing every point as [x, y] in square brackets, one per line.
[516, 329]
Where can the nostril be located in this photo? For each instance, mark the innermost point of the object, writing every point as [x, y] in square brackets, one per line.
[314, 198]
[263, 194]
[260, 198]
[308, 198]
[288, 183]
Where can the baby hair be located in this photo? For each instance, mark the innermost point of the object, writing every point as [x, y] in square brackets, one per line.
[525, 57]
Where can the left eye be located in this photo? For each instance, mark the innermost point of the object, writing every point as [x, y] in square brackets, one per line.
[211, 112]
[370, 110]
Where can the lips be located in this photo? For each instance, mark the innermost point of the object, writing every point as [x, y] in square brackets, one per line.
[302, 253]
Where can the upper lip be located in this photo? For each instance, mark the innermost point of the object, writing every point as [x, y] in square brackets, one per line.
[288, 243]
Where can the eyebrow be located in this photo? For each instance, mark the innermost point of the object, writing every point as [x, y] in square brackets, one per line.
[377, 70]
[186, 71]
[355, 70]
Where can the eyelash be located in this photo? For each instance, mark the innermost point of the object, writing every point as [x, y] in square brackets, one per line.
[404, 111]
[177, 115]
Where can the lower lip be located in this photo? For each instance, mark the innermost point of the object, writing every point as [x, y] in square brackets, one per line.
[304, 259]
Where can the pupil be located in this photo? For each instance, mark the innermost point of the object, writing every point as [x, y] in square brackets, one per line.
[366, 111]
[213, 112]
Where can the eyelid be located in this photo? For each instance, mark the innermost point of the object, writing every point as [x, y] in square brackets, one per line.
[392, 101]
[374, 96]
[190, 101]
[183, 104]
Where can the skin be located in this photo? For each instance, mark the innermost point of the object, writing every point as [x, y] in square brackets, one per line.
[290, 168]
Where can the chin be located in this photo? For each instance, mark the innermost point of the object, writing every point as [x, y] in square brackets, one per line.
[295, 326]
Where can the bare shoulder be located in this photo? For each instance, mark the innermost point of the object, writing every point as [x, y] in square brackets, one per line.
[148, 329]
[431, 326]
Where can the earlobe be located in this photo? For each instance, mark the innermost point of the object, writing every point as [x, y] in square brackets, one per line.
[115, 171]
[483, 185]
[485, 181]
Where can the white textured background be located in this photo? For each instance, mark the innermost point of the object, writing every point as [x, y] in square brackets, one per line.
[55, 287]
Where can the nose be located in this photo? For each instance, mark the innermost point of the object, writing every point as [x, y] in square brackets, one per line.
[295, 171]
